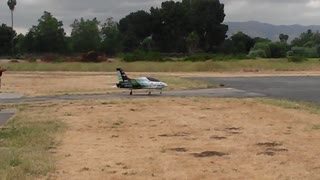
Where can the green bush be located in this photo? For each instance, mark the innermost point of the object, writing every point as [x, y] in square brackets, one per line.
[257, 53]
[139, 55]
[214, 57]
[304, 51]
[297, 59]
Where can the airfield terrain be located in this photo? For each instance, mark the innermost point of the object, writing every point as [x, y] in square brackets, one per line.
[159, 138]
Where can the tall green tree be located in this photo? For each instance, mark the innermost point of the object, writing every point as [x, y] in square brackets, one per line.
[5, 39]
[171, 26]
[206, 18]
[242, 43]
[19, 44]
[111, 37]
[12, 4]
[193, 42]
[305, 39]
[134, 28]
[47, 36]
[30, 41]
[85, 35]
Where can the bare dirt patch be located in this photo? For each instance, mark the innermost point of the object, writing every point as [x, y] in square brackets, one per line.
[63, 83]
[176, 138]
[58, 83]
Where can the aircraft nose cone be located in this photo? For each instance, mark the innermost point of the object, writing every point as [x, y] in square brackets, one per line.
[165, 85]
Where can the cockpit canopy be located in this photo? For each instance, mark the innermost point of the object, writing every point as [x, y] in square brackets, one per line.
[153, 79]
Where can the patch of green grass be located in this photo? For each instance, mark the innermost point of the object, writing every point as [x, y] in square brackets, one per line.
[316, 127]
[299, 105]
[174, 66]
[25, 145]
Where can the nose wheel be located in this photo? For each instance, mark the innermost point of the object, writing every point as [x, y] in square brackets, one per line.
[131, 92]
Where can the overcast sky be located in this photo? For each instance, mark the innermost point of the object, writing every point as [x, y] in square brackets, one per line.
[27, 12]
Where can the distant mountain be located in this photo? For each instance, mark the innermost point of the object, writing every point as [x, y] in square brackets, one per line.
[258, 29]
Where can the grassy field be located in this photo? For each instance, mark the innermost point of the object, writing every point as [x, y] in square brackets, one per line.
[298, 105]
[34, 145]
[30, 143]
[27, 142]
[208, 66]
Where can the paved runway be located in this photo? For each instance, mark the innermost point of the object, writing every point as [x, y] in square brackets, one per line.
[221, 92]
[216, 92]
[302, 88]
[6, 114]
[292, 88]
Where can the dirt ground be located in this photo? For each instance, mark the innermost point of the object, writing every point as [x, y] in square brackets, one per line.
[186, 138]
[59, 83]
[56, 83]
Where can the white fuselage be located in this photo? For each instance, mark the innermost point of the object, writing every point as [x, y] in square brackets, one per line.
[148, 84]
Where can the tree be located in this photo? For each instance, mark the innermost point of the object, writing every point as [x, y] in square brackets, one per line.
[283, 38]
[12, 4]
[85, 35]
[278, 49]
[171, 26]
[19, 44]
[47, 36]
[134, 28]
[6, 34]
[193, 41]
[30, 41]
[263, 46]
[305, 39]
[206, 18]
[111, 37]
[242, 43]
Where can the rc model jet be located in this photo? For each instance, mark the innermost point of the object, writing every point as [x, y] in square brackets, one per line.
[139, 83]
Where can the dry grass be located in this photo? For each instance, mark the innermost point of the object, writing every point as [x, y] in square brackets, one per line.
[61, 83]
[27, 142]
[167, 138]
[208, 66]
[194, 138]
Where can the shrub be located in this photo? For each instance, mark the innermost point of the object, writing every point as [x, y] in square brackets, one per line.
[215, 57]
[30, 58]
[304, 51]
[199, 57]
[297, 59]
[50, 57]
[139, 55]
[257, 53]
[92, 56]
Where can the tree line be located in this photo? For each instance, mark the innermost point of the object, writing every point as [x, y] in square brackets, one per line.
[176, 27]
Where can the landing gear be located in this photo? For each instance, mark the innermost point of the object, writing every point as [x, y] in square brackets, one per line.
[161, 91]
[149, 93]
[131, 92]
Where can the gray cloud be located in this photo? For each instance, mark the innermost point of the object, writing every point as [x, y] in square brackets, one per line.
[271, 11]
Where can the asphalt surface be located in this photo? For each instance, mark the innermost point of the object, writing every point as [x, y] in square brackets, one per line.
[5, 115]
[5, 98]
[300, 88]
[216, 92]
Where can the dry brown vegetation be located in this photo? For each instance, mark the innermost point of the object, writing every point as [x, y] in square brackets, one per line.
[163, 138]
[60, 83]
[193, 138]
